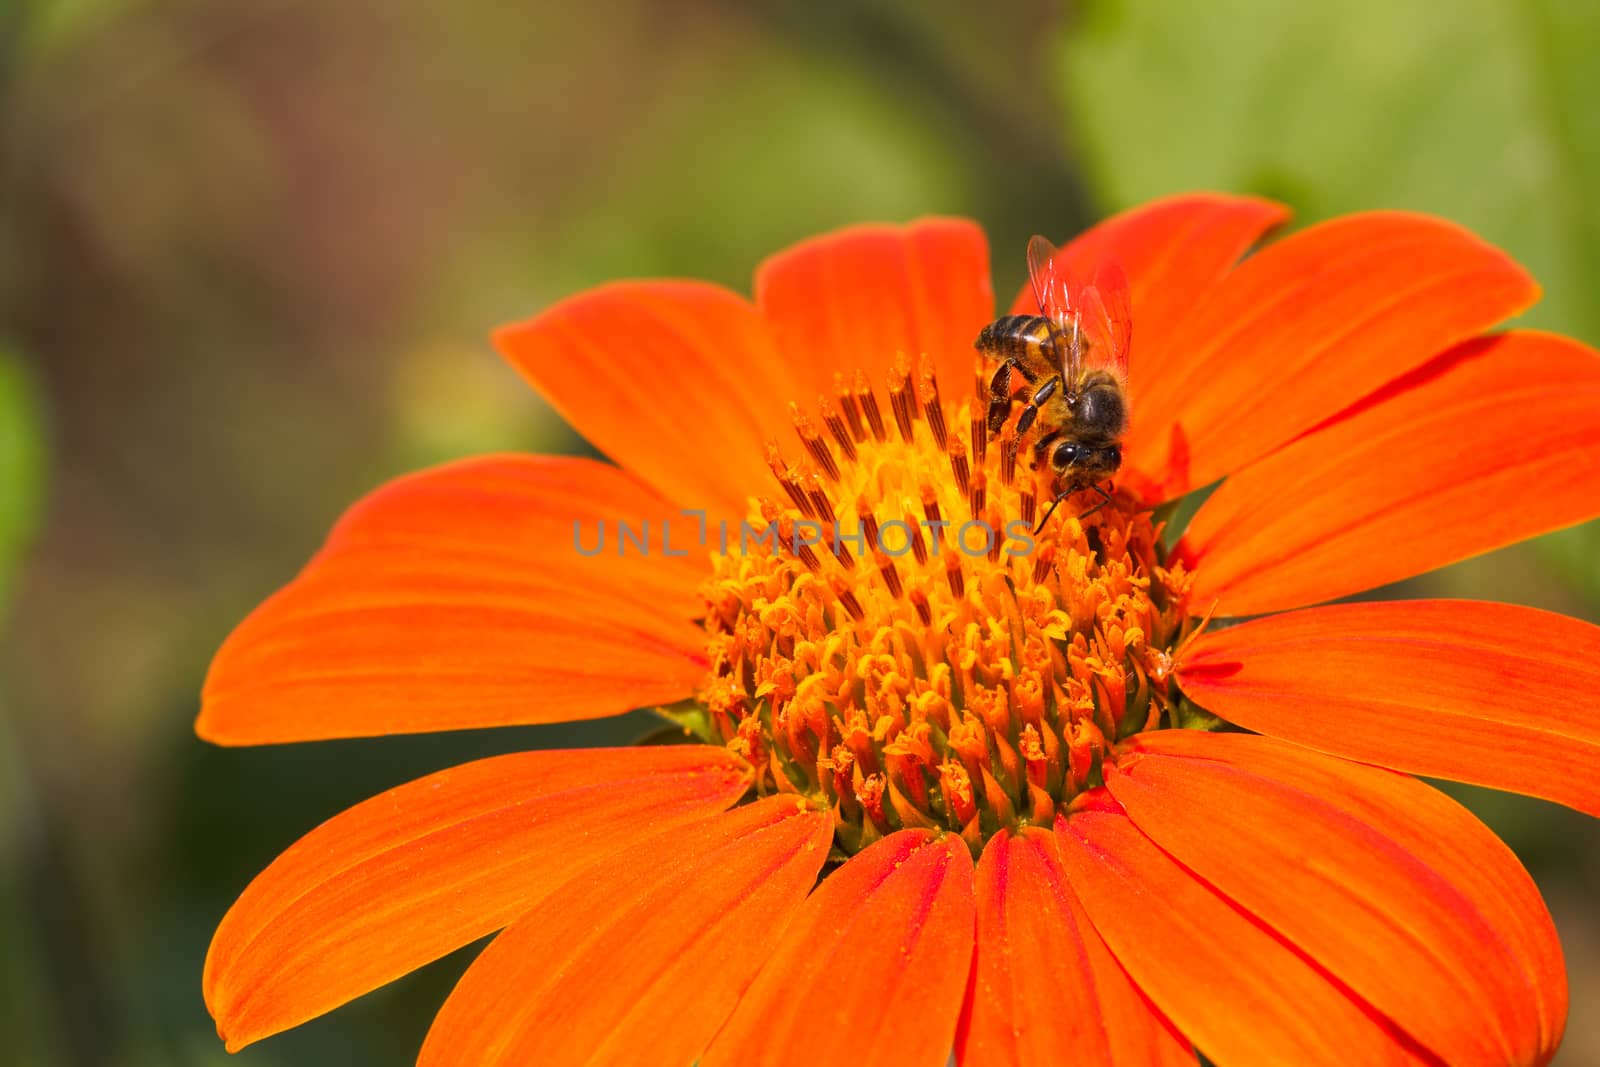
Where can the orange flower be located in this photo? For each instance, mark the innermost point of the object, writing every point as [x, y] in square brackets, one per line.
[994, 754]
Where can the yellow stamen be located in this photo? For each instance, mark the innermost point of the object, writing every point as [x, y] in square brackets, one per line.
[903, 649]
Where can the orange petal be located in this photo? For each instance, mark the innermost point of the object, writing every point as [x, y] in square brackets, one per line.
[458, 597]
[1239, 990]
[1439, 832]
[858, 296]
[1385, 925]
[640, 968]
[1485, 693]
[1307, 327]
[1493, 443]
[1044, 987]
[421, 870]
[872, 968]
[677, 381]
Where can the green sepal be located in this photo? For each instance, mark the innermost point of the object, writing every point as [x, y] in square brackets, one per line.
[1190, 716]
[689, 719]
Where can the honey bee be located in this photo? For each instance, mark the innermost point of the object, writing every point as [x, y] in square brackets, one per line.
[1073, 359]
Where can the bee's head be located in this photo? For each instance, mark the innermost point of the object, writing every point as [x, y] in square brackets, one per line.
[1086, 461]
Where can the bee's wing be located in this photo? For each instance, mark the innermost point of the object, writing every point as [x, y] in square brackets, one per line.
[1106, 319]
[1053, 294]
[1049, 285]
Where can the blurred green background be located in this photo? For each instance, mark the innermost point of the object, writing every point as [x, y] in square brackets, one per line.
[249, 254]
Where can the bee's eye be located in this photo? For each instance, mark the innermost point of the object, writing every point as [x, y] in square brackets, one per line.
[1066, 454]
[1113, 456]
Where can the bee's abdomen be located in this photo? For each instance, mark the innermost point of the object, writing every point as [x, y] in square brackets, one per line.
[1014, 335]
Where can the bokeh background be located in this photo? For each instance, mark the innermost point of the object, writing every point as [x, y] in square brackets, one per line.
[249, 254]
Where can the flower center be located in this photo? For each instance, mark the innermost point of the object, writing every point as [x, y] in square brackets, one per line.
[893, 640]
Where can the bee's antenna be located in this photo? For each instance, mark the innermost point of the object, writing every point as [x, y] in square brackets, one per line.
[1105, 498]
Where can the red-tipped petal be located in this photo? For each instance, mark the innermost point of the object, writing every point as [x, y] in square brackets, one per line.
[1044, 987]
[1495, 442]
[421, 870]
[1485, 693]
[1382, 922]
[857, 297]
[872, 968]
[1307, 327]
[1240, 991]
[639, 961]
[458, 597]
[677, 381]
[1430, 826]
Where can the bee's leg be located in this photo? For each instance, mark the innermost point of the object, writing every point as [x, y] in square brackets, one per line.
[1028, 375]
[1000, 390]
[1000, 396]
[1040, 395]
